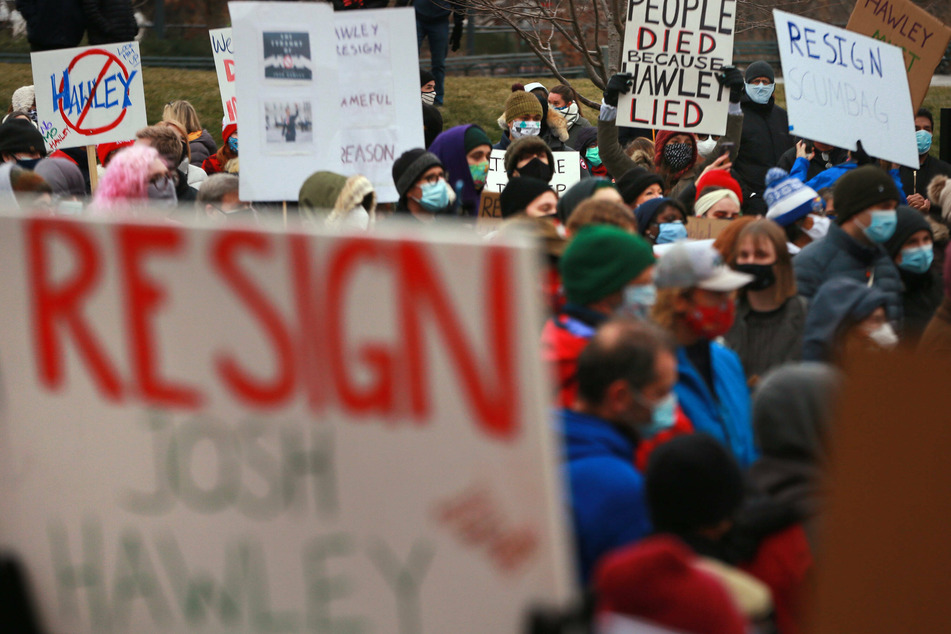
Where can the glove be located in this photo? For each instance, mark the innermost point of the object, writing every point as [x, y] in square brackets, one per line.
[456, 38]
[860, 156]
[732, 78]
[617, 85]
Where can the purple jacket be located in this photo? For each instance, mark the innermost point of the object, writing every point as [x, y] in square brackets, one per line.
[450, 147]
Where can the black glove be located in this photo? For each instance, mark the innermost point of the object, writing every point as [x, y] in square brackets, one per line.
[617, 85]
[732, 78]
[456, 38]
[860, 156]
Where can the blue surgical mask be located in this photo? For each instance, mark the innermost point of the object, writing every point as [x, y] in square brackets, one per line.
[233, 143]
[435, 198]
[923, 137]
[662, 417]
[917, 259]
[638, 301]
[760, 93]
[671, 232]
[882, 226]
[593, 156]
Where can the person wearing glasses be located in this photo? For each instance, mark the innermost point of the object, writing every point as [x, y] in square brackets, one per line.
[420, 179]
[218, 199]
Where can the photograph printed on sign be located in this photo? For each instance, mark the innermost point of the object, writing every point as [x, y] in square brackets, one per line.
[287, 55]
[288, 124]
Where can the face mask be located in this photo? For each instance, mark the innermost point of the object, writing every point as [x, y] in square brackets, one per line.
[570, 113]
[358, 218]
[521, 129]
[662, 417]
[536, 168]
[233, 143]
[917, 259]
[760, 94]
[435, 198]
[763, 275]
[429, 98]
[70, 207]
[162, 193]
[882, 225]
[923, 137]
[479, 172]
[820, 227]
[884, 336]
[671, 232]
[638, 301]
[28, 164]
[678, 155]
[32, 114]
[710, 322]
[705, 148]
[593, 156]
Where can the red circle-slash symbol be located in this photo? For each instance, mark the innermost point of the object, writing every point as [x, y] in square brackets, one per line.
[288, 62]
[110, 59]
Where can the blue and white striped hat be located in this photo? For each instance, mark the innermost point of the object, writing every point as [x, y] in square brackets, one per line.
[788, 198]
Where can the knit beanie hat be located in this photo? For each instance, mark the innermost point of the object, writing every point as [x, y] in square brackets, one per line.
[910, 221]
[24, 98]
[17, 135]
[634, 181]
[647, 211]
[103, 150]
[719, 178]
[410, 166]
[521, 103]
[602, 259]
[711, 198]
[475, 136]
[759, 69]
[526, 145]
[693, 482]
[577, 194]
[658, 580]
[788, 198]
[519, 192]
[859, 189]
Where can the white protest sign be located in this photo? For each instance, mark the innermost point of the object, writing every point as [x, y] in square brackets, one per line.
[287, 88]
[222, 47]
[567, 170]
[842, 87]
[673, 51]
[89, 95]
[380, 112]
[214, 431]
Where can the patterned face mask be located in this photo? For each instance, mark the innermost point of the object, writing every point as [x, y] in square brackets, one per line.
[678, 155]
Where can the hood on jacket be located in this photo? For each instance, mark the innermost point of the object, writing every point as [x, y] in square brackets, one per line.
[839, 303]
[663, 138]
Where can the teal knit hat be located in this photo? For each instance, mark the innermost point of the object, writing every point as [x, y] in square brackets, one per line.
[602, 259]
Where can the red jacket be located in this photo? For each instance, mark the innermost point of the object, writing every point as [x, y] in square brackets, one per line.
[784, 563]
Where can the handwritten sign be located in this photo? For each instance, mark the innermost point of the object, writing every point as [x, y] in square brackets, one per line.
[706, 228]
[380, 109]
[921, 37]
[222, 46]
[673, 51]
[567, 170]
[89, 95]
[303, 465]
[842, 87]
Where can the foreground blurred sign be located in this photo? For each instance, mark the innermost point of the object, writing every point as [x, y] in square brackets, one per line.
[89, 95]
[232, 431]
[842, 87]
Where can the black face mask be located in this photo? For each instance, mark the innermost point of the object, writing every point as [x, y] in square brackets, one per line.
[28, 164]
[535, 168]
[763, 275]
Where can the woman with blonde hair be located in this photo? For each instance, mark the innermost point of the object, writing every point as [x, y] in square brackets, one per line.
[184, 116]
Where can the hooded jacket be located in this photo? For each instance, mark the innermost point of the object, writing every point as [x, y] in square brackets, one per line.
[202, 147]
[840, 301]
[450, 147]
[607, 498]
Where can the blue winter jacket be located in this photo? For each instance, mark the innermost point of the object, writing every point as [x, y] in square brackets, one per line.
[607, 499]
[726, 417]
[827, 178]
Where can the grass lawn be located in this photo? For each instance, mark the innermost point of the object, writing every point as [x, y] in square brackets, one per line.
[468, 99]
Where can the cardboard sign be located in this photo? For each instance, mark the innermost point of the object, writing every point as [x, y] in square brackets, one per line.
[842, 87]
[222, 46]
[922, 37]
[706, 228]
[287, 89]
[490, 205]
[567, 171]
[673, 51]
[228, 431]
[89, 95]
[380, 110]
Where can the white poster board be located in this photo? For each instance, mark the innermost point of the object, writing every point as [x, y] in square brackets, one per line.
[380, 110]
[567, 170]
[215, 431]
[89, 95]
[842, 87]
[222, 47]
[673, 51]
[287, 88]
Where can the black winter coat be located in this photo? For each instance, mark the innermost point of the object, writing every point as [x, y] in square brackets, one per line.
[109, 21]
[201, 148]
[52, 24]
[764, 140]
[921, 298]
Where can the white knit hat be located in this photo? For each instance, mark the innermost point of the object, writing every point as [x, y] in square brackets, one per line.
[788, 198]
[23, 98]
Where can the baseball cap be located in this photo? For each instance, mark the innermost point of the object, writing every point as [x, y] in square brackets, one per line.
[697, 265]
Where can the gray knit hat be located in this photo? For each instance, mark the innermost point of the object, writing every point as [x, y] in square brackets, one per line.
[408, 168]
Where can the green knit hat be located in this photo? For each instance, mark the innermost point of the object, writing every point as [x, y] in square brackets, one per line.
[602, 259]
[521, 103]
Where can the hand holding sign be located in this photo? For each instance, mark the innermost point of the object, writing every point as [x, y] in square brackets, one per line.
[620, 83]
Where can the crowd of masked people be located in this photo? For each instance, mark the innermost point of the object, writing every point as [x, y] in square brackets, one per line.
[694, 380]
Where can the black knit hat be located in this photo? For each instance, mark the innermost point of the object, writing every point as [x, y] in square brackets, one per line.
[859, 189]
[519, 192]
[425, 77]
[759, 69]
[634, 181]
[18, 135]
[408, 168]
[910, 221]
[693, 482]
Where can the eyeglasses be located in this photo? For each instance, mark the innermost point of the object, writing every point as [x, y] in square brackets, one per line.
[157, 179]
[704, 137]
[432, 179]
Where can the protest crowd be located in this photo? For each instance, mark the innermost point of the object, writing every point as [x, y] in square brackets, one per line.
[694, 380]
